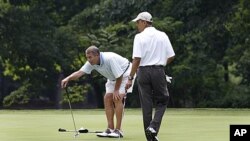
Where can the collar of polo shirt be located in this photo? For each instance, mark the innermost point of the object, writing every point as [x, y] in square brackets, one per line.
[101, 59]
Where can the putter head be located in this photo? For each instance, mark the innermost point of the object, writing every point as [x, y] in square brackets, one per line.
[83, 130]
[77, 134]
[61, 130]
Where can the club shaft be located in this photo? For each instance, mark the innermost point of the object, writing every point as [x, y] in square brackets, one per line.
[69, 101]
[95, 132]
[67, 131]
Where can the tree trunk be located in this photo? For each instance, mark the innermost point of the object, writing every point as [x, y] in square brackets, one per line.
[58, 91]
[226, 75]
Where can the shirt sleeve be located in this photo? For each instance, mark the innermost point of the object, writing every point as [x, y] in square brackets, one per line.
[116, 68]
[87, 68]
[137, 47]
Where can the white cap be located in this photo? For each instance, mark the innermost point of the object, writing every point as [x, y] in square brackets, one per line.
[145, 16]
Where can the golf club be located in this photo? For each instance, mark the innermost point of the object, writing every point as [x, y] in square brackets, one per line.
[69, 101]
[124, 104]
[81, 130]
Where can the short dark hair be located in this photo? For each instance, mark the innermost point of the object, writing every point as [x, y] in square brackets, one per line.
[92, 49]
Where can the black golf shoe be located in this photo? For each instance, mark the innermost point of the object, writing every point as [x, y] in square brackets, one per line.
[151, 134]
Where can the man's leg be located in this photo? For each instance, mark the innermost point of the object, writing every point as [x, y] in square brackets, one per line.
[145, 94]
[119, 111]
[161, 97]
[109, 109]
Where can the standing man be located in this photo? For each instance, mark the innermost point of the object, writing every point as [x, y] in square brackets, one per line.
[152, 51]
[116, 69]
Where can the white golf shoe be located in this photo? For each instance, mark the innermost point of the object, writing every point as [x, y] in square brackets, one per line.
[116, 134]
[105, 133]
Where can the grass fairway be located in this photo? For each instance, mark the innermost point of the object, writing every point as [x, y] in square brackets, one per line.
[177, 125]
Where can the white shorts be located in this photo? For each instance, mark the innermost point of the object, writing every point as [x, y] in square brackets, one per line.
[110, 86]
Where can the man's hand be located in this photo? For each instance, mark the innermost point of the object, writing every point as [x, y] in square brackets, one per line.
[116, 95]
[75, 75]
[64, 82]
[129, 84]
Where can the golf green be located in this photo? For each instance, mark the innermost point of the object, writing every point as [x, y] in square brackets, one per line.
[177, 125]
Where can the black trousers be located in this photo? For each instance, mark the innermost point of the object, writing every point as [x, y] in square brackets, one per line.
[153, 91]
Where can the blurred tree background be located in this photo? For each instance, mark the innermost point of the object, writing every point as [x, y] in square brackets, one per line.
[43, 41]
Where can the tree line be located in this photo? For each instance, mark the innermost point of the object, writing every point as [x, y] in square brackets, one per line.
[42, 41]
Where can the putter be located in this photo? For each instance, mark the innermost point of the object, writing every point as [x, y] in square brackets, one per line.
[69, 101]
[124, 104]
[81, 130]
[123, 111]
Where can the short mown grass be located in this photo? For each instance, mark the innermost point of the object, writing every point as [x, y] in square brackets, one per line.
[177, 125]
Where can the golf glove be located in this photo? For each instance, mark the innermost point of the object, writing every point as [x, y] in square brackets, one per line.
[168, 78]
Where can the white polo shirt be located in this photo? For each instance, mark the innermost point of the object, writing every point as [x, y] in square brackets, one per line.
[111, 66]
[153, 47]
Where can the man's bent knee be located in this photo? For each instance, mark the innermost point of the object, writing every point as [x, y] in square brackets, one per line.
[108, 96]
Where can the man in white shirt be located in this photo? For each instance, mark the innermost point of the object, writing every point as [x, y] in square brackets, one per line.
[116, 69]
[152, 51]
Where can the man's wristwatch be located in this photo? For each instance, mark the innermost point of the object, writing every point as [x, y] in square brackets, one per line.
[130, 77]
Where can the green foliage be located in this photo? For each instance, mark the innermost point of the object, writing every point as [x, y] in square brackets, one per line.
[239, 29]
[237, 97]
[20, 96]
[70, 47]
[42, 40]
[77, 94]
